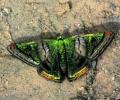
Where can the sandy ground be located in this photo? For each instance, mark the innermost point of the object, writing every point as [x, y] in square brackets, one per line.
[20, 18]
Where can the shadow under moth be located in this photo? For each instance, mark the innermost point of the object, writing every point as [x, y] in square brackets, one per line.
[60, 57]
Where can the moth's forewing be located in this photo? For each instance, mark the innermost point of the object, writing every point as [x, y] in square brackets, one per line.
[25, 51]
[87, 47]
[107, 38]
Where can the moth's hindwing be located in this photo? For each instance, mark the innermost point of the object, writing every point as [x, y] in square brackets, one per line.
[76, 58]
[50, 60]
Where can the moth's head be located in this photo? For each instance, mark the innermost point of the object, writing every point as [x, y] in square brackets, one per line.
[60, 38]
[11, 46]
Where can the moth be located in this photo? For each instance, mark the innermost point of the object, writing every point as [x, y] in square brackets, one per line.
[60, 57]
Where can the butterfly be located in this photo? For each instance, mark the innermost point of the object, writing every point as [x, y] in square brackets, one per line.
[63, 56]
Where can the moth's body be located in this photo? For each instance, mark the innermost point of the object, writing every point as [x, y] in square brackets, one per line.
[62, 57]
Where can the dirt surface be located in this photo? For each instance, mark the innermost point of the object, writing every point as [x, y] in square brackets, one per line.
[20, 18]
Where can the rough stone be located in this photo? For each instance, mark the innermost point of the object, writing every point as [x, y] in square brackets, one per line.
[20, 18]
